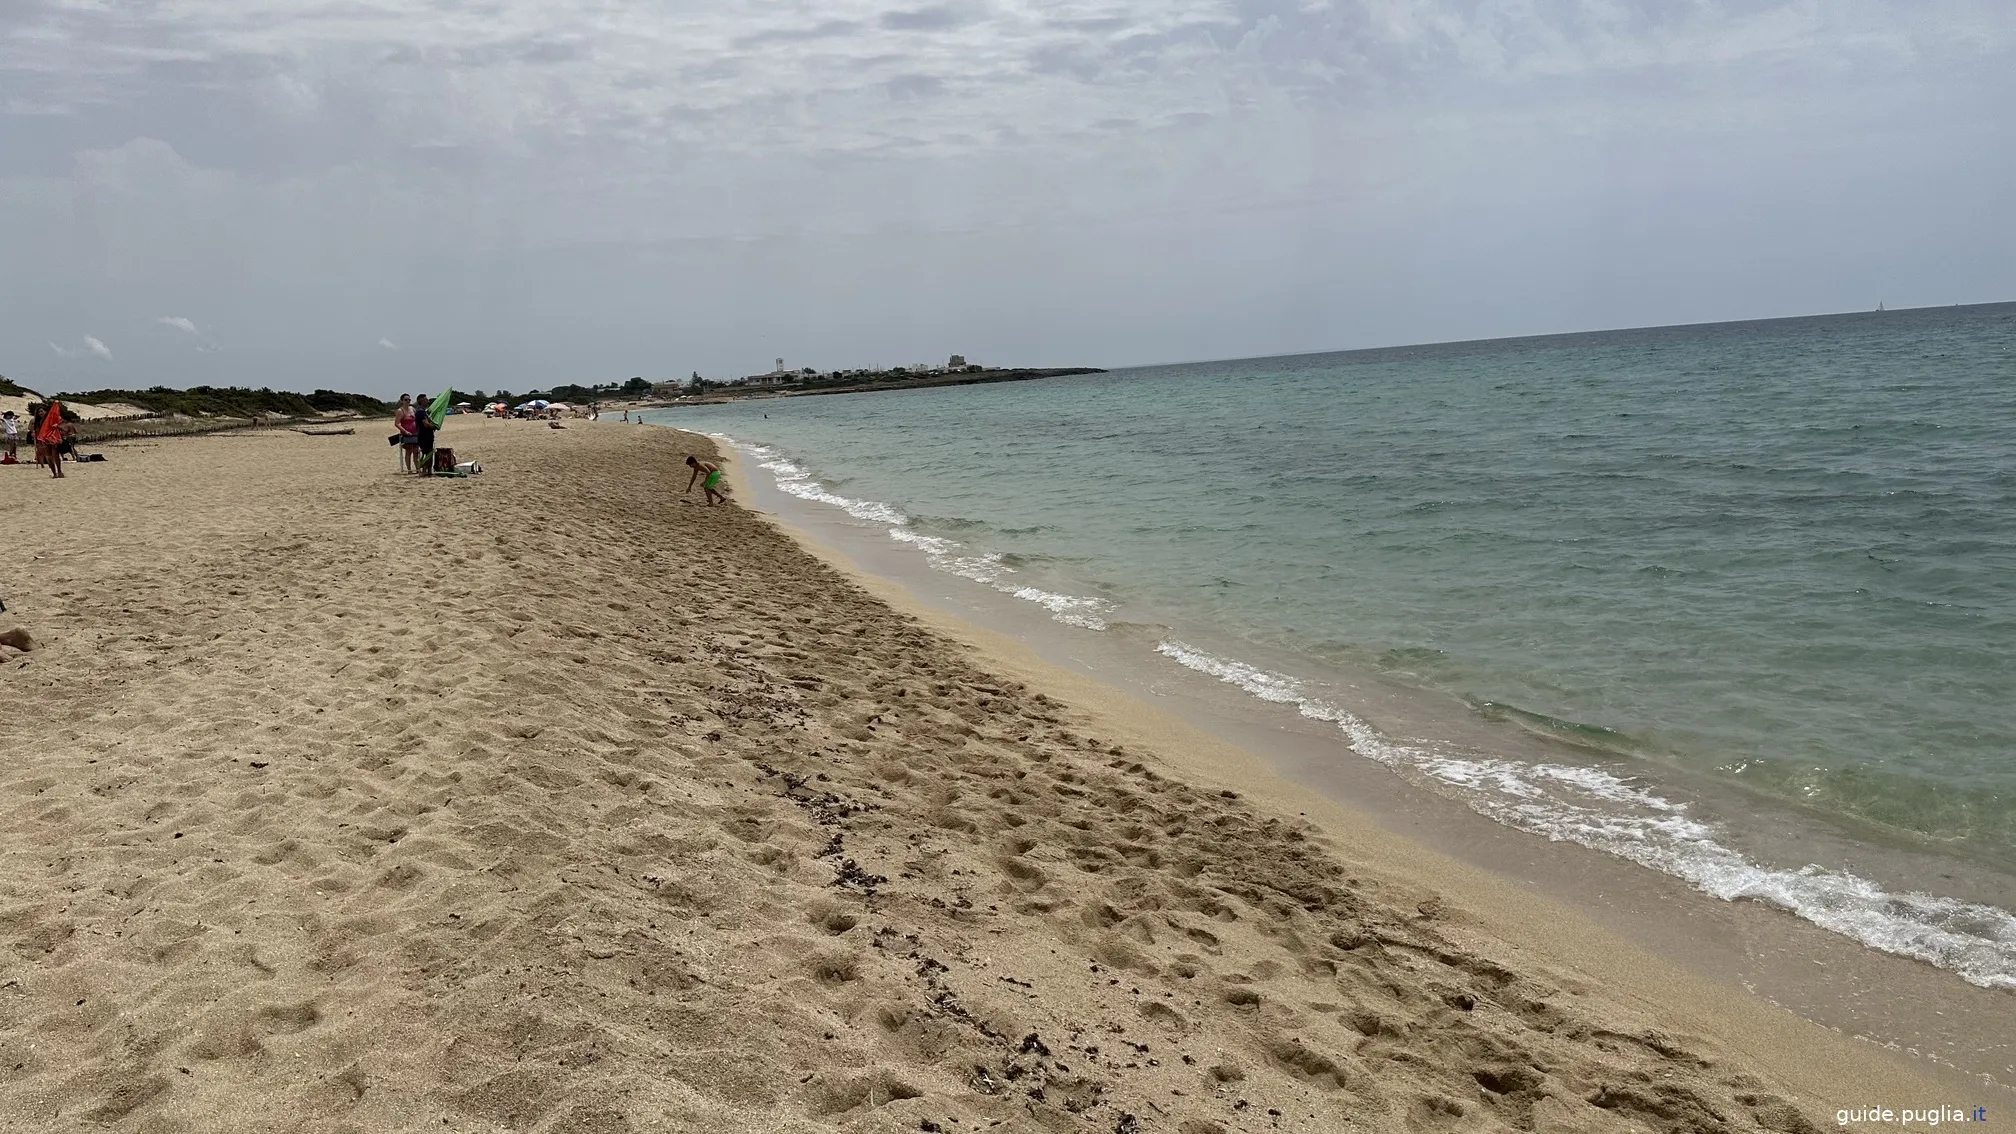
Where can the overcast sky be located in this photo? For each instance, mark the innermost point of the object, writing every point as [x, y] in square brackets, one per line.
[384, 194]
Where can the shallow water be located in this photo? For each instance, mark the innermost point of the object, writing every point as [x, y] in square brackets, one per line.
[1779, 554]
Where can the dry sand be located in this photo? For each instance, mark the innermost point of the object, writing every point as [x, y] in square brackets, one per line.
[550, 801]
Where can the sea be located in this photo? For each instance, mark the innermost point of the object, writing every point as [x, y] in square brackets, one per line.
[1688, 576]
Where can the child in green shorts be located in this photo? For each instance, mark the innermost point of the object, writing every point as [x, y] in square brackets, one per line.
[711, 484]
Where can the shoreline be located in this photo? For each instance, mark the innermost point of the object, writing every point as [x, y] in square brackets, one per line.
[565, 804]
[1879, 997]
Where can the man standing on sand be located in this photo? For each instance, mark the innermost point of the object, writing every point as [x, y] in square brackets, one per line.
[10, 436]
[423, 427]
[710, 485]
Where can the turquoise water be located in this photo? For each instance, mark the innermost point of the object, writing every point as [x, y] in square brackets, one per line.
[1780, 553]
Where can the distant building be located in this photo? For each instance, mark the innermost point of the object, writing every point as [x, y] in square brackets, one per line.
[774, 378]
[958, 362]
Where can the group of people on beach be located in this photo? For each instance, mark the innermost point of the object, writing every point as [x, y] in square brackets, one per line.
[54, 437]
[416, 435]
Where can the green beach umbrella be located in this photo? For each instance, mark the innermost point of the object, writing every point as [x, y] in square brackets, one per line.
[438, 412]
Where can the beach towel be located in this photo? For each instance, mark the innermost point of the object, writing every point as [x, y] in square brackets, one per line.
[52, 425]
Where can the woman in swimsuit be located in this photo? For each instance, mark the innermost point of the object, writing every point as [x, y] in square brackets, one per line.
[407, 423]
[711, 484]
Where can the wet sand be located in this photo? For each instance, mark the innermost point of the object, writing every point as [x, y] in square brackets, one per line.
[553, 801]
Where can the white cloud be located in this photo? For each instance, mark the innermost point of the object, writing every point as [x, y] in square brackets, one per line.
[93, 347]
[388, 344]
[178, 322]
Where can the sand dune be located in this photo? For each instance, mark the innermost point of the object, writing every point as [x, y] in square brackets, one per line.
[550, 801]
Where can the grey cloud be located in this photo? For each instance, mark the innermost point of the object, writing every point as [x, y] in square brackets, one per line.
[830, 29]
[448, 157]
[1092, 23]
[531, 49]
[1078, 61]
[937, 18]
[553, 51]
[313, 177]
[915, 86]
[711, 69]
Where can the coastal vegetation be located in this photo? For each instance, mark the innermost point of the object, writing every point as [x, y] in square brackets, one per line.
[234, 401]
[568, 392]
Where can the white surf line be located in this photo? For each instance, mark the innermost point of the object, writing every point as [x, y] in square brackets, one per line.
[1603, 811]
[943, 554]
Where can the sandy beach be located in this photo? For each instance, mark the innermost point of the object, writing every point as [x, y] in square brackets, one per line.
[551, 800]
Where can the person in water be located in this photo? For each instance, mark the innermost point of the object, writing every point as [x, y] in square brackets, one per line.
[711, 484]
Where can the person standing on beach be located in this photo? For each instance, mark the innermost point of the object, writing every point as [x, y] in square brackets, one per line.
[409, 439]
[710, 485]
[423, 433]
[10, 435]
[49, 437]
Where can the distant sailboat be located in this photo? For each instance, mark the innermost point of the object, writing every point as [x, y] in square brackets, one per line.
[1879, 305]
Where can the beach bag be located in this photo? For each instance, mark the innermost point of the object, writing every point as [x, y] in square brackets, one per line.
[469, 468]
[394, 439]
[444, 460]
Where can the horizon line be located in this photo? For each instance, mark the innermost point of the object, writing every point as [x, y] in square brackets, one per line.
[1878, 310]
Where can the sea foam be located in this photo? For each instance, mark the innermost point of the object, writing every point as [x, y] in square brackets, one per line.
[943, 553]
[1600, 809]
